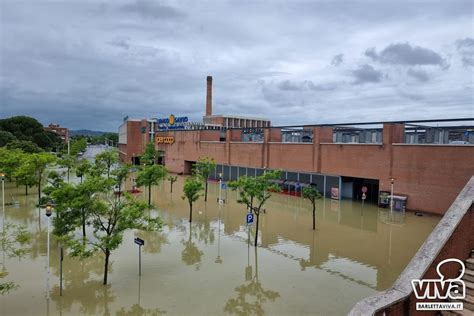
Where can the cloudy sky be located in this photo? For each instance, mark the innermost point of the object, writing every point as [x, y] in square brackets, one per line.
[87, 64]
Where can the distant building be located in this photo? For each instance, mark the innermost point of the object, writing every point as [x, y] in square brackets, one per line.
[62, 132]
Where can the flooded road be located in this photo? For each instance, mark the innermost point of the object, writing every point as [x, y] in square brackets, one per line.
[209, 268]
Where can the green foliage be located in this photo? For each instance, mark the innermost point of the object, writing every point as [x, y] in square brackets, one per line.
[82, 168]
[24, 145]
[78, 145]
[6, 137]
[203, 168]
[105, 160]
[40, 162]
[312, 194]
[150, 155]
[28, 129]
[13, 239]
[10, 161]
[255, 191]
[68, 162]
[192, 191]
[120, 174]
[172, 180]
[151, 175]
[25, 173]
[110, 218]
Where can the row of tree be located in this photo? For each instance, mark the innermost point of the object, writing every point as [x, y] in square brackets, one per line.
[27, 134]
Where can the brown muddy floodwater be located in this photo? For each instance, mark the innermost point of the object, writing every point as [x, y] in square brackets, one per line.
[208, 267]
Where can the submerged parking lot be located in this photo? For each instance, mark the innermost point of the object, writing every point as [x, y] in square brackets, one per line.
[209, 267]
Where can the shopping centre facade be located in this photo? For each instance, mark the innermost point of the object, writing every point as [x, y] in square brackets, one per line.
[425, 162]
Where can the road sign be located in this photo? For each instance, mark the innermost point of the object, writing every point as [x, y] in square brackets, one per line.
[364, 196]
[364, 189]
[224, 186]
[249, 219]
[139, 241]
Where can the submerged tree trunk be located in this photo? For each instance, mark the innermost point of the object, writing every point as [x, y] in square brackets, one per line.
[149, 195]
[26, 189]
[171, 187]
[256, 227]
[190, 212]
[39, 190]
[314, 217]
[205, 194]
[106, 266]
[83, 223]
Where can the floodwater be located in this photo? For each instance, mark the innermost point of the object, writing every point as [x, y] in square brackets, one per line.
[209, 268]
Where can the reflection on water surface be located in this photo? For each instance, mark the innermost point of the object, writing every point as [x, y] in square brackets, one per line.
[208, 268]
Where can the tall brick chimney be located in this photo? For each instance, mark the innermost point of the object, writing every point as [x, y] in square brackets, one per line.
[209, 96]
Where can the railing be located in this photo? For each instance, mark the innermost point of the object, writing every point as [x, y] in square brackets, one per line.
[436, 243]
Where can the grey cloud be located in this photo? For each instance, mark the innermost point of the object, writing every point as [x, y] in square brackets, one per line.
[465, 48]
[337, 59]
[405, 54]
[152, 9]
[418, 74]
[367, 74]
[306, 85]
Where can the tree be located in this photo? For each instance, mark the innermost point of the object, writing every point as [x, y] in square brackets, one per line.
[120, 174]
[172, 180]
[68, 162]
[150, 155]
[203, 168]
[5, 138]
[110, 218]
[24, 145]
[40, 162]
[105, 160]
[151, 175]
[83, 167]
[10, 161]
[25, 173]
[192, 191]
[78, 145]
[256, 190]
[312, 194]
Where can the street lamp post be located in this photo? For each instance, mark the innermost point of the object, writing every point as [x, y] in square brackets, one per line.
[392, 180]
[49, 211]
[2, 177]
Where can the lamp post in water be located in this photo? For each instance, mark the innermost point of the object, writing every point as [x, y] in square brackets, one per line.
[392, 180]
[49, 211]
[2, 177]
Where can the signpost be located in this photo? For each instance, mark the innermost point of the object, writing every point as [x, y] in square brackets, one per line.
[249, 219]
[140, 242]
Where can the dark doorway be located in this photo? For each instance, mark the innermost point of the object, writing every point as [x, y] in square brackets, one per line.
[188, 166]
[352, 188]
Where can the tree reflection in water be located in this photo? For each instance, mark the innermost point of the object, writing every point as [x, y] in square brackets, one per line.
[191, 255]
[250, 295]
[153, 240]
[136, 309]
[92, 296]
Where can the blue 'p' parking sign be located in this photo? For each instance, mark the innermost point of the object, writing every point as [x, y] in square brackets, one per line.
[249, 219]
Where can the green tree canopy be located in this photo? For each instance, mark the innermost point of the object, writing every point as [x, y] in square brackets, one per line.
[150, 155]
[203, 168]
[24, 145]
[255, 191]
[192, 191]
[105, 160]
[5, 138]
[312, 194]
[151, 175]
